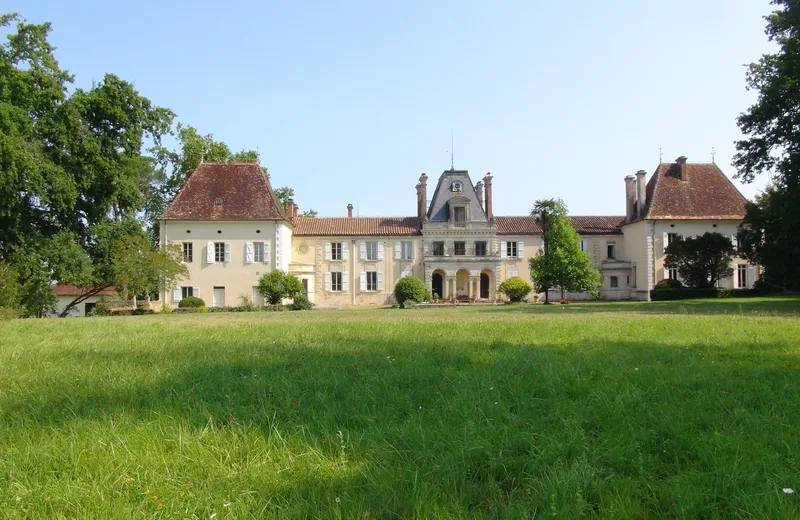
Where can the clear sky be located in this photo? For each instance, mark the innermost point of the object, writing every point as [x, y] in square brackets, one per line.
[351, 101]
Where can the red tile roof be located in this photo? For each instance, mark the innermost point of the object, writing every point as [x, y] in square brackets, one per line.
[65, 289]
[706, 193]
[583, 225]
[356, 226]
[242, 188]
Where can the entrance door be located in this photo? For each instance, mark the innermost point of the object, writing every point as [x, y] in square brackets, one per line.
[437, 284]
[89, 308]
[484, 286]
[219, 296]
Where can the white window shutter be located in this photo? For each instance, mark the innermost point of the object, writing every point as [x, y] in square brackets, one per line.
[363, 280]
[328, 254]
[398, 250]
[266, 252]
[345, 282]
[520, 249]
[751, 275]
[502, 250]
[380, 250]
[665, 242]
[664, 273]
[176, 294]
[380, 281]
[328, 282]
[734, 241]
[541, 245]
[362, 253]
[227, 252]
[196, 292]
[210, 252]
[345, 252]
[248, 252]
[735, 277]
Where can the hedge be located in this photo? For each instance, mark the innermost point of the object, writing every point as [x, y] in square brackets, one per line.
[691, 293]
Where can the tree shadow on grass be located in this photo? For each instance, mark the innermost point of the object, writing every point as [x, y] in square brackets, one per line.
[462, 428]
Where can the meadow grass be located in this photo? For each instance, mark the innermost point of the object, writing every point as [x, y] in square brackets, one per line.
[608, 410]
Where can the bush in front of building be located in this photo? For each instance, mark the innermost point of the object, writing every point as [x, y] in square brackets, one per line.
[515, 288]
[668, 283]
[410, 290]
[191, 301]
[301, 303]
[277, 285]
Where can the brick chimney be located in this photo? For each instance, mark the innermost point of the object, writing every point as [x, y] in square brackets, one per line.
[423, 182]
[290, 208]
[630, 197]
[349, 211]
[487, 182]
[683, 173]
[479, 191]
[296, 210]
[641, 194]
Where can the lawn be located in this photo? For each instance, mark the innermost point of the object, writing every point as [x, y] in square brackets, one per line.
[626, 410]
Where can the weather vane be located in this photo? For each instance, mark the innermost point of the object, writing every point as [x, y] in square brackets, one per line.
[452, 147]
[713, 155]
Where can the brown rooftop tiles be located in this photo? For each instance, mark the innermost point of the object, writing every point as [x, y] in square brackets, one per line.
[65, 289]
[356, 226]
[226, 191]
[583, 225]
[702, 191]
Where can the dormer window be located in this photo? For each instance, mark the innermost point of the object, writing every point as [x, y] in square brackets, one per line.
[218, 201]
[459, 214]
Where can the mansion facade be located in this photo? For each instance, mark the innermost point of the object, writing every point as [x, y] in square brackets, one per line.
[232, 230]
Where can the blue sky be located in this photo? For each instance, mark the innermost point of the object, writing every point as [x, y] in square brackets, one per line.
[351, 101]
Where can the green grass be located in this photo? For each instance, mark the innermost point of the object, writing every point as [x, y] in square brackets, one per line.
[612, 410]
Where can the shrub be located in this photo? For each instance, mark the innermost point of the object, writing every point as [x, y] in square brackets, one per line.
[668, 283]
[564, 301]
[185, 310]
[301, 303]
[410, 289]
[277, 285]
[101, 309]
[191, 301]
[8, 313]
[515, 288]
[247, 304]
[689, 293]
[765, 287]
[141, 310]
[202, 309]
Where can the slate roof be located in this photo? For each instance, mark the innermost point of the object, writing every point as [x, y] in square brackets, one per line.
[583, 225]
[357, 226]
[243, 189]
[705, 194]
[65, 289]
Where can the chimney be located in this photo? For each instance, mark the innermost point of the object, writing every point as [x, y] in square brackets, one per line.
[296, 210]
[641, 195]
[487, 182]
[290, 208]
[423, 181]
[419, 199]
[479, 191]
[630, 197]
[349, 211]
[683, 174]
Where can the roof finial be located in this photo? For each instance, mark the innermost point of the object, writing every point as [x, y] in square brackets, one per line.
[713, 155]
[450, 151]
[660, 156]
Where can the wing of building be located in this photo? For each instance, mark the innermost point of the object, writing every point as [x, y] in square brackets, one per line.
[232, 230]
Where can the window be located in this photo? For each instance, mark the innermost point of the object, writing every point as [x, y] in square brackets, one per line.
[671, 238]
[336, 281]
[438, 249]
[406, 250]
[584, 245]
[186, 292]
[741, 275]
[480, 248]
[372, 280]
[372, 250]
[219, 251]
[187, 252]
[258, 251]
[614, 282]
[612, 251]
[672, 273]
[511, 249]
[336, 253]
[460, 248]
[460, 214]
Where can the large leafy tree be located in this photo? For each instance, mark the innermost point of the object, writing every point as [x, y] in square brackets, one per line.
[701, 261]
[771, 231]
[561, 264]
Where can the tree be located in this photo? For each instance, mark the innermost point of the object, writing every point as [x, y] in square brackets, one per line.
[561, 264]
[309, 213]
[140, 270]
[10, 289]
[277, 285]
[772, 145]
[701, 261]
